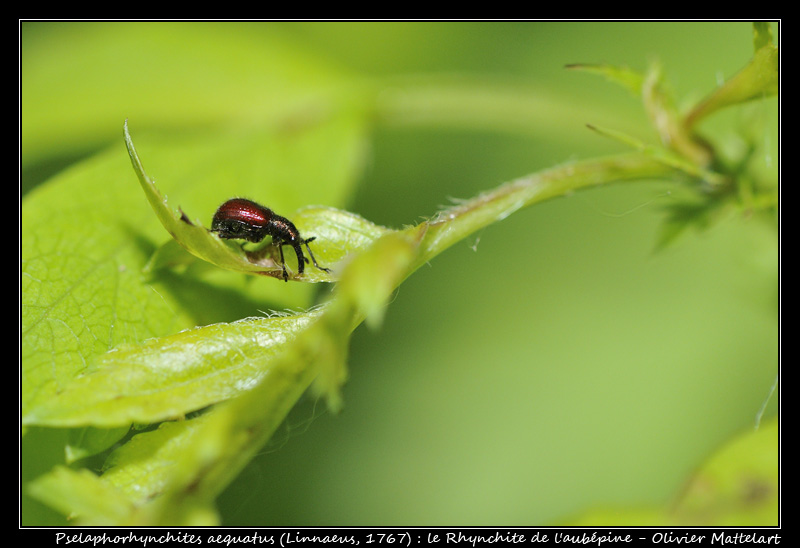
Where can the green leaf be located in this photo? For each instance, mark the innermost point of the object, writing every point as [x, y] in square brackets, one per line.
[171, 376]
[196, 76]
[142, 468]
[659, 105]
[737, 486]
[759, 79]
[696, 212]
[85, 442]
[82, 294]
[82, 493]
[762, 34]
[203, 454]
[342, 233]
[167, 377]
[82, 289]
[194, 237]
[89, 500]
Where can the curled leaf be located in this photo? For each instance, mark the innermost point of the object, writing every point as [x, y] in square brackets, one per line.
[337, 232]
[190, 234]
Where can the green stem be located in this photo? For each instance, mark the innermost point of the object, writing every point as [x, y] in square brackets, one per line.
[458, 222]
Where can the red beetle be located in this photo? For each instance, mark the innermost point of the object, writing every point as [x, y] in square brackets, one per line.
[242, 219]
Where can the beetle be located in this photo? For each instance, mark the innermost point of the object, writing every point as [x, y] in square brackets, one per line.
[243, 219]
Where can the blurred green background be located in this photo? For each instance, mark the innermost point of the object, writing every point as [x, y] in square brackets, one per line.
[552, 364]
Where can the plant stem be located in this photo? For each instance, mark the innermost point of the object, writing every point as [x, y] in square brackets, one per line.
[458, 222]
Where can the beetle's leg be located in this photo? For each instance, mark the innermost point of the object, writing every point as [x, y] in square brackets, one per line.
[313, 259]
[283, 263]
[301, 260]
